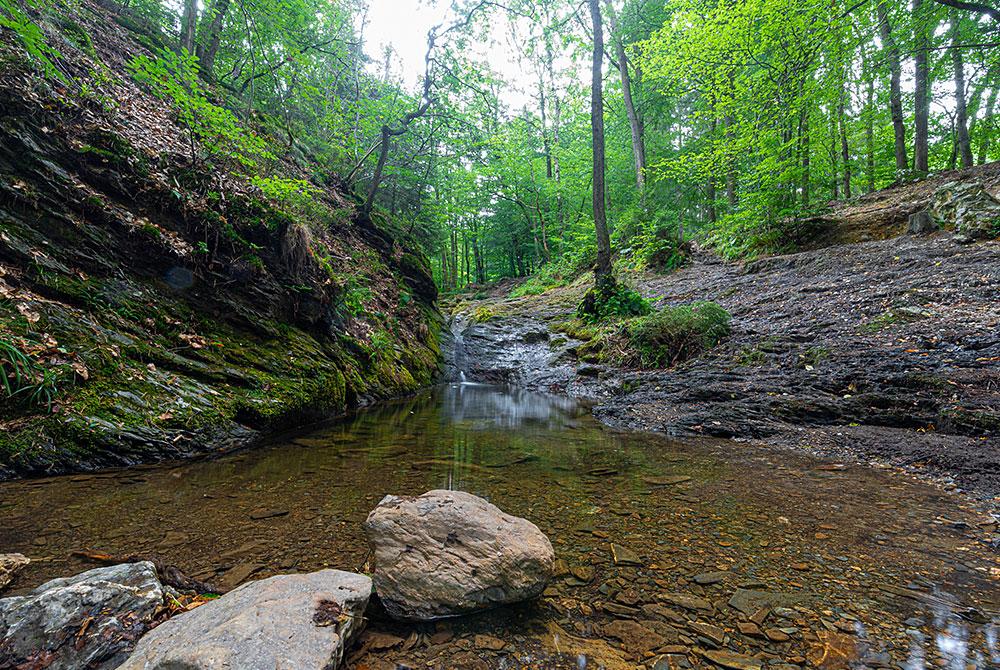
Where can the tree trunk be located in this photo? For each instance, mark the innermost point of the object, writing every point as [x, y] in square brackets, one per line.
[834, 156]
[603, 271]
[984, 144]
[804, 144]
[961, 114]
[870, 137]
[921, 89]
[211, 37]
[895, 94]
[845, 154]
[189, 21]
[635, 125]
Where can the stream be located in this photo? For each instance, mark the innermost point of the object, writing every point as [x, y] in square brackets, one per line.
[670, 552]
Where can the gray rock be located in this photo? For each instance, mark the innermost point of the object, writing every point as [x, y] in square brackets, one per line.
[289, 621]
[969, 207]
[10, 565]
[921, 223]
[446, 553]
[92, 620]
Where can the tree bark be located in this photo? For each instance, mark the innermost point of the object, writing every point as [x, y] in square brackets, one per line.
[845, 154]
[211, 37]
[603, 270]
[635, 124]
[895, 93]
[984, 145]
[921, 89]
[961, 113]
[804, 145]
[189, 22]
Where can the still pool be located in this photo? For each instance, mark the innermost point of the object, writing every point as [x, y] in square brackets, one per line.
[735, 555]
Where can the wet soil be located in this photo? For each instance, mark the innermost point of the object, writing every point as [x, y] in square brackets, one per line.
[671, 553]
[885, 350]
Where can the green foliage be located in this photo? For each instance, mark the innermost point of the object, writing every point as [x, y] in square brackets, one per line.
[613, 300]
[23, 380]
[294, 197]
[31, 37]
[675, 334]
[557, 273]
[353, 297]
[175, 78]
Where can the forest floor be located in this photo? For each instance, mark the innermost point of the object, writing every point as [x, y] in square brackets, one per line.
[884, 351]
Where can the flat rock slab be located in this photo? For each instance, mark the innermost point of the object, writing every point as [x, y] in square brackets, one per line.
[289, 621]
[91, 620]
[446, 553]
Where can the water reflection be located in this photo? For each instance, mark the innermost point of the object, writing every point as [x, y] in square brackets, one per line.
[484, 407]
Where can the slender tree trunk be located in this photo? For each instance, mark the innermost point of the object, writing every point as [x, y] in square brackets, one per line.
[984, 144]
[953, 157]
[635, 125]
[211, 37]
[603, 271]
[961, 113]
[845, 153]
[546, 147]
[921, 89]
[870, 137]
[731, 195]
[895, 92]
[834, 155]
[804, 143]
[189, 22]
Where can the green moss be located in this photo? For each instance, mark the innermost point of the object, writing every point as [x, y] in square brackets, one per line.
[483, 314]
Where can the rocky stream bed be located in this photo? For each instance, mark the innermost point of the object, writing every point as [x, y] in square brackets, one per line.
[668, 553]
[885, 351]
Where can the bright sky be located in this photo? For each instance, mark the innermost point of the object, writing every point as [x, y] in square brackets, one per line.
[403, 25]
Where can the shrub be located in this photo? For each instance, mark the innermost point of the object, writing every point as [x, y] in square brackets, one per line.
[610, 301]
[675, 334]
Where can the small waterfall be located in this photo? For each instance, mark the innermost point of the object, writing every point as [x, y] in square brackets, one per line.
[458, 359]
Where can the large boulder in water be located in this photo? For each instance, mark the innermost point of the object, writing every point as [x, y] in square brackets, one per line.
[289, 621]
[92, 620]
[448, 552]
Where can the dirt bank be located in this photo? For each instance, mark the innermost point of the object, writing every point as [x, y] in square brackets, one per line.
[885, 350]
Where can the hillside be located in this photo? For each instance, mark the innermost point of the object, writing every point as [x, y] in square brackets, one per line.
[156, 301]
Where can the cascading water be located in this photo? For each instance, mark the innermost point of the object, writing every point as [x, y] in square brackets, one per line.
[458, 359]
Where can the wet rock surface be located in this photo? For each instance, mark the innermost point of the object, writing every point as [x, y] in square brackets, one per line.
[886, 351]
[91, 620]
[446, 553]
[289, 621]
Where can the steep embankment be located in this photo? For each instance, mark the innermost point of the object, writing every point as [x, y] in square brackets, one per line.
[153, 305]
[886, 350]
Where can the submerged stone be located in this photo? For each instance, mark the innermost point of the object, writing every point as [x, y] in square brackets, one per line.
[448, 552]
[289, 621]
[10, 565]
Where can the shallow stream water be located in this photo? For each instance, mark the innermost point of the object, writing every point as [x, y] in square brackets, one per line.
[727, 554]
